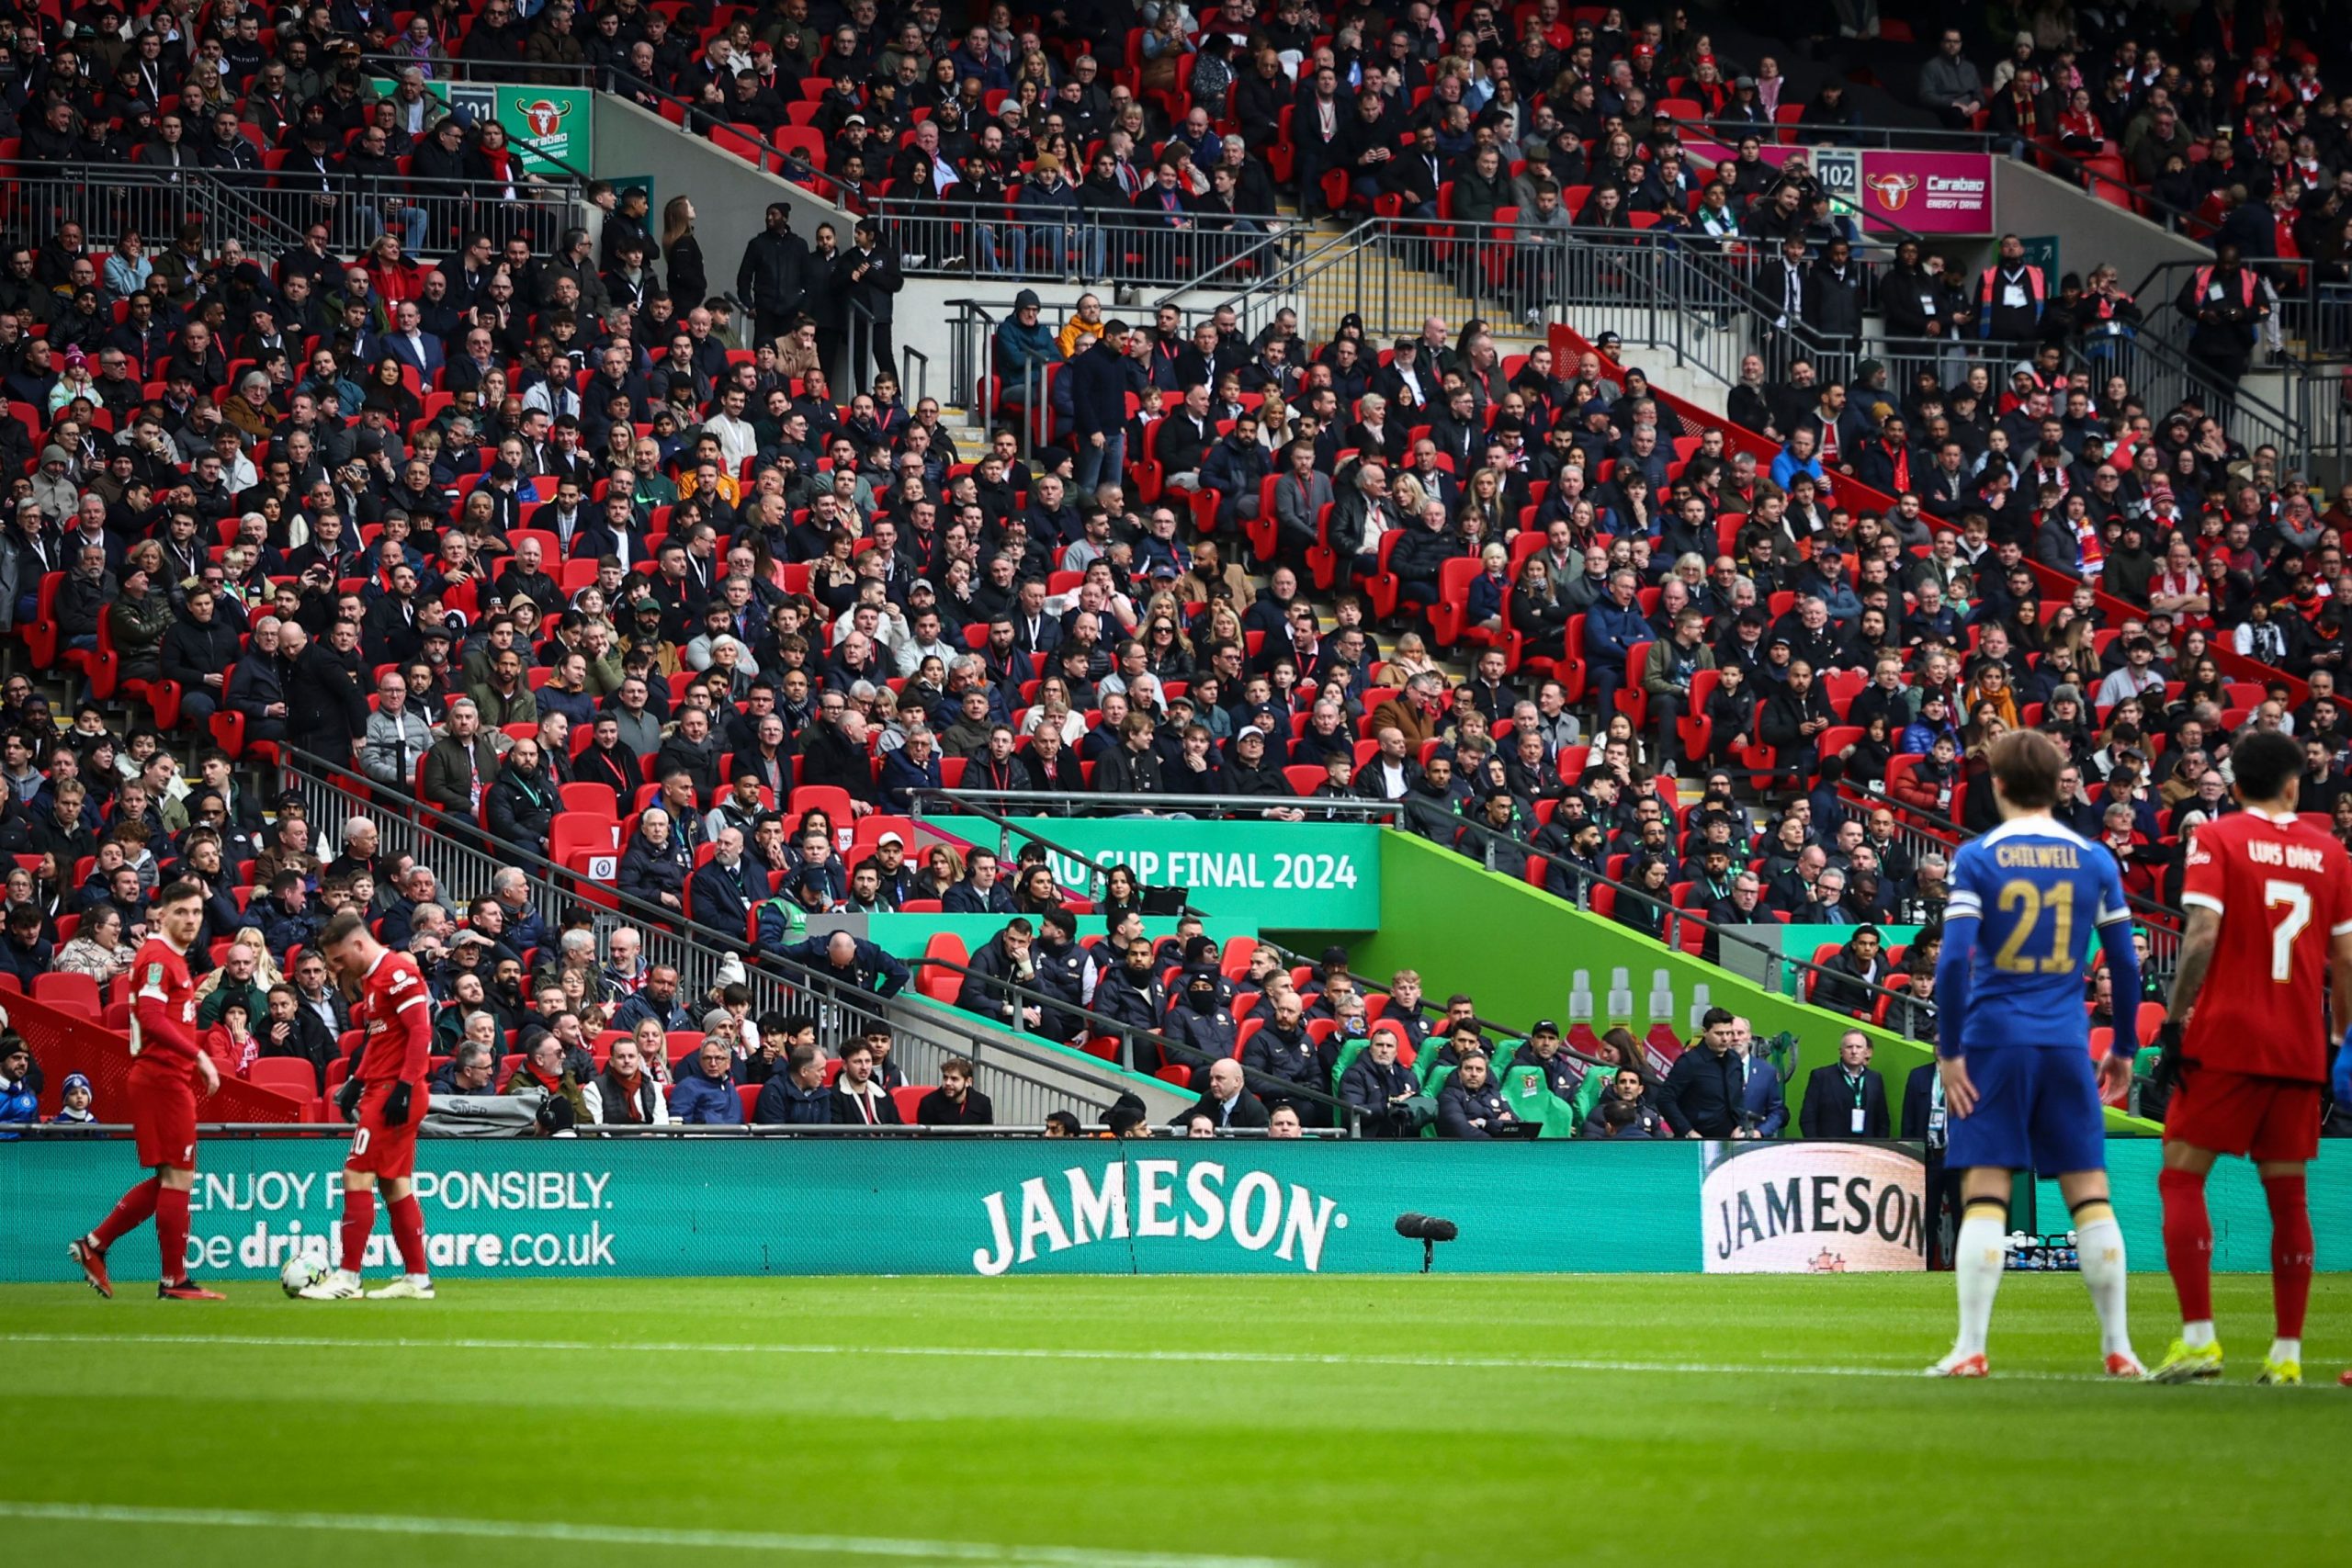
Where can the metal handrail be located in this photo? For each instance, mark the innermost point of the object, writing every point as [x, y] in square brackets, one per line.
[1580, 878]
[694, 949]
[968, 801]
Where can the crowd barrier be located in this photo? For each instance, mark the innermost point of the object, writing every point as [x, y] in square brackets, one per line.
[740, 1206]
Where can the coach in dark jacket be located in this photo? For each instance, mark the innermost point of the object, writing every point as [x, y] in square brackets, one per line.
[1715, 1089]
[1834, 1094]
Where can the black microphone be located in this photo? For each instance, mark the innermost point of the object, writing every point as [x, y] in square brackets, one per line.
[1428, 1230]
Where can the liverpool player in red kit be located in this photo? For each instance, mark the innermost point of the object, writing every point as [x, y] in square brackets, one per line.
[2270, 906]
[391, 1102]
[168, 1065]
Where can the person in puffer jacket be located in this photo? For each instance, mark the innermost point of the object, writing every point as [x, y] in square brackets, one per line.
[705, 1094]
[797, 1096]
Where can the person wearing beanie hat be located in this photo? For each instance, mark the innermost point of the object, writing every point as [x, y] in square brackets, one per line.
[19, 1084]
[1024, 346]
[74, 1099]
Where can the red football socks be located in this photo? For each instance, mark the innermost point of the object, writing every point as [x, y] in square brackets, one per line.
[171, 1232]
[358, 1219]
[408, 1233]
[2188, 1242]
[130, 1212]
[2291, 1251]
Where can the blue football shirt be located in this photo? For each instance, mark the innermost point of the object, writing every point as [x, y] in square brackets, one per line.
[2035, 892]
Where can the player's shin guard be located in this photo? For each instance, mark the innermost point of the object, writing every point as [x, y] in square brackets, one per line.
[2189, 1245]
[132, 1210]
[408, 1234]
[2291, 1251]
[358, 1219]
[1977, 1260]
[171, 1232]
[2098, 1244]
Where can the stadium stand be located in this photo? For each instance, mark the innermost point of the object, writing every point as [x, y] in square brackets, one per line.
[382, 507]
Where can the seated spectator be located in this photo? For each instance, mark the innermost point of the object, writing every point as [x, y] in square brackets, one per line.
[546, 1070]
[858, 1099]
[705, 1094]
[798, 1096]
[625, 1093]
[955, 1103]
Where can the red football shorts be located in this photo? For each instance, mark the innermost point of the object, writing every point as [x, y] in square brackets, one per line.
[386, 1152]
[163, 1111]
[2239, 1113]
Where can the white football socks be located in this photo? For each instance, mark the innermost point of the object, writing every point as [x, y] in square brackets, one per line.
[2098, 1246]
[2198, 1335]
[1978, 1259]
[2285, 1350]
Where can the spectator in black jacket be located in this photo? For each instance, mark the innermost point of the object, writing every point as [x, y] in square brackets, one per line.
[981, 892]
[1846, 981]
[197, 652]
[524, 801]
[1000, 969]
[1846, 1100]
[858, 1099]
[955, 1103]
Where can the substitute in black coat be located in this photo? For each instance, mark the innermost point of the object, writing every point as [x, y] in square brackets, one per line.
[1846, 1100]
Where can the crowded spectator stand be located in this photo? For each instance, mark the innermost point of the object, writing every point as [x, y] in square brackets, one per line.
[400, 474]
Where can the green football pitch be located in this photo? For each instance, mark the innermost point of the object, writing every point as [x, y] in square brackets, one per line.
[1125, 1423]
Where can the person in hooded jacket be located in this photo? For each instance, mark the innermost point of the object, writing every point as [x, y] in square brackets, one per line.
[1203, 1022]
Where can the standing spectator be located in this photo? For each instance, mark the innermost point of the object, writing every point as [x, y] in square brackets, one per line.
[773, 281]
[1951, 88]
[1848, 1100]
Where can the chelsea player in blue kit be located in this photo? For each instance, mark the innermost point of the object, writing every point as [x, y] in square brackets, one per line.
[2015, 1043]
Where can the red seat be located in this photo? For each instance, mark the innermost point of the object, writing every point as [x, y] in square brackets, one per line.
[77, 992]
[289, 1076]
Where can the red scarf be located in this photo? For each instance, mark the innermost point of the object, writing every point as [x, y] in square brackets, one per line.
[628, 1109]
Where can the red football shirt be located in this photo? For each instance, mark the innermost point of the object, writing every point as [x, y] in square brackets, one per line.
[2284, 892]
[162, 1009]
[400, 1021]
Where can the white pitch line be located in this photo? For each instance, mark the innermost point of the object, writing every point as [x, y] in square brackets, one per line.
[1050, 1353]
[554, 1531]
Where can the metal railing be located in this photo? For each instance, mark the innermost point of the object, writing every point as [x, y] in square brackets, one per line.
[269, 212]
[1773, 969]
[1026, 1082]
[967, 803]
[949, 237]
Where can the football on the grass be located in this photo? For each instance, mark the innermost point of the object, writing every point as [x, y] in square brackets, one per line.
[300, 1273]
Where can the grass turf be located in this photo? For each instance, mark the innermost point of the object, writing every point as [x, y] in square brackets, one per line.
[1372, 1421]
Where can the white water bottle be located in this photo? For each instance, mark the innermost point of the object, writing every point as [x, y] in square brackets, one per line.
[1621, 996]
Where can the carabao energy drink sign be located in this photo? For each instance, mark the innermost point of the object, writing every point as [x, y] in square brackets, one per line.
[1813, 1208]
[545, 126]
